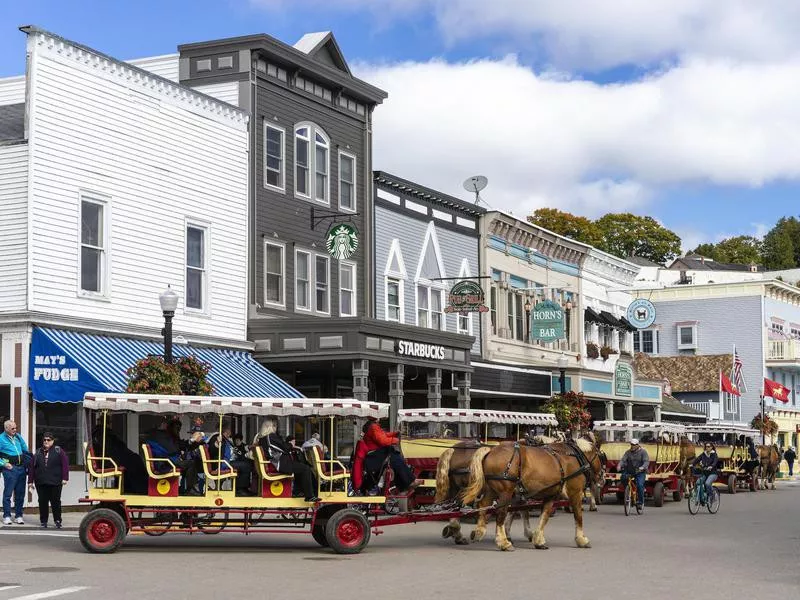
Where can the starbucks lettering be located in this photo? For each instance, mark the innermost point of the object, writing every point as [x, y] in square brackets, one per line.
[417, 350]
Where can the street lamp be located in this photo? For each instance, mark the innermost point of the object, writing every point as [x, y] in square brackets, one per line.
[169, 302]
[568, 309]
[563, 363]
[528, 320]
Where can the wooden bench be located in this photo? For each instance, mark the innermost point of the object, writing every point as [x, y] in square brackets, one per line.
[272, 484]
[330, 472]
[215, 469]
[103, 469]
[160, 484]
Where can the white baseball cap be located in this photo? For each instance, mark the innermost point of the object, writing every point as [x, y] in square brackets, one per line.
[634, 442]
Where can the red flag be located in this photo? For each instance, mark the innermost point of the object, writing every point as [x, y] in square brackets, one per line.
[726, 386]
[775, 390]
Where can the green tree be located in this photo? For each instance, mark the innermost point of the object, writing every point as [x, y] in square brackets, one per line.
[708, 250]
[742, 249]
[779, 250]
[563, 223]
[626, 234]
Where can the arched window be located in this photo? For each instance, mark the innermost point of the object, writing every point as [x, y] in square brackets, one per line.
[311, 163]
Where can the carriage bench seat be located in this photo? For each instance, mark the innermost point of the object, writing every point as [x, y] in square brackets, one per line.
[96, 467]
[273, 484]
[163, 477]
[217, 471]
[328, 471]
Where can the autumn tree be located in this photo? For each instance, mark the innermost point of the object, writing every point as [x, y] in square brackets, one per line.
[563, 223]
[626, 235]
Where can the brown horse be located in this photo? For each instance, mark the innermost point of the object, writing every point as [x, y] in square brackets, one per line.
[770, 459]
[543, 473]
[688, 451]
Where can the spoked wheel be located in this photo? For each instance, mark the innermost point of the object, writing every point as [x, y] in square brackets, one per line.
[211, 523]
[731, 483]
[157, 525]
[694, 501]
[626, 504]
[102, 531]
[713, 501]
[347, 531]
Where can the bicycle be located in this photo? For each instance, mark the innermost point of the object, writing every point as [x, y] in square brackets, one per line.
[632, 496]
[699, 497]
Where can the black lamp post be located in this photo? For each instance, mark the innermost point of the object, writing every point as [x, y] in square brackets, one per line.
[567, 311]
[169, 302]
[563, 362]
[528, 320]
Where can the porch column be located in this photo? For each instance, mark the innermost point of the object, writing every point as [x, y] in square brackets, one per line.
[463, 384]
[361, 380]
[434, 392]
[629, 411]
[657, 414]
[609, 410]
[397, 374]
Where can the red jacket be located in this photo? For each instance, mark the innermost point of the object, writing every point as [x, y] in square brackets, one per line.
[373, 439]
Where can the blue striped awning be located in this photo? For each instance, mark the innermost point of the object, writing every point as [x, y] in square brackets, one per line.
[65, 365]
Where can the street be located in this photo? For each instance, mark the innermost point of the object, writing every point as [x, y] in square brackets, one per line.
[749, 548]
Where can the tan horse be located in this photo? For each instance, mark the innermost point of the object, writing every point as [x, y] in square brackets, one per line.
[541, 473]
[688, 451]
[770, 460]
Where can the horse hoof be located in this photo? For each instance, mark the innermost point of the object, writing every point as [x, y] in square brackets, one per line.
[462, 541]
[592, 509]
[447, 531]
[507, 548]
[530, 538]
[584, 544]
[541, 546]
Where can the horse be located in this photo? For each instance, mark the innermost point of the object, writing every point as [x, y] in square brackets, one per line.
[540, 473]
[688, 451]
[770, 460]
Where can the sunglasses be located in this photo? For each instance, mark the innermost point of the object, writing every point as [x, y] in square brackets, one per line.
[47, 439]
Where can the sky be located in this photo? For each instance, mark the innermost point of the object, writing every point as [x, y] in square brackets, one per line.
[684, 110]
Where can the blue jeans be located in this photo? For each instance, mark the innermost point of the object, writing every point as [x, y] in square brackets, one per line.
[13, 482]
[640, 478]
[710, 479]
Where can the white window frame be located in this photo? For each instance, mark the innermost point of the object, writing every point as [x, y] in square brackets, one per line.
[310, 281]
[104, 278]
[343, 264]
[638, 334]
[282, 246]
[400, 291]
[354, 183]
[313, 130]
[205, 228]
[400, 274]
[688, 325]
[282, 172]
[430, 288]
[327, 284]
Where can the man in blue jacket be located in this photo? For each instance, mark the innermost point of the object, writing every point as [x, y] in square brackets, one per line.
[13, 451]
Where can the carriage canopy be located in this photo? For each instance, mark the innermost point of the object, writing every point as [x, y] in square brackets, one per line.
[474, 415]
[640, 426]
[723, 429]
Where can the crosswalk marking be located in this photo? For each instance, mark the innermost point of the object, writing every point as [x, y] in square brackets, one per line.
[51, 593]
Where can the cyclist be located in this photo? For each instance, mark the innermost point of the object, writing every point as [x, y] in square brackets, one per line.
[634, 463]
[706, 463]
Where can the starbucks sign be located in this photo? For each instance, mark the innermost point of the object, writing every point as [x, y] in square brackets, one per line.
[623, 380]
[466, 297]
[341, 240]
[547, 321]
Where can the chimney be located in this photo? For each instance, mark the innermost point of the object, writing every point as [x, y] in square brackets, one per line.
[753, 268]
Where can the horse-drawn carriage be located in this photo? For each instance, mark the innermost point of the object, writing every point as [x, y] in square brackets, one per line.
[663, 445]
[735, 470]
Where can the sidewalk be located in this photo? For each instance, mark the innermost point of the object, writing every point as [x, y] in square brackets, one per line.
[70, 521]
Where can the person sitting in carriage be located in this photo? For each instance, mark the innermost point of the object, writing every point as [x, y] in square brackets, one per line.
[634, 463]
[707, 463]
[752, 457]
[376, 448]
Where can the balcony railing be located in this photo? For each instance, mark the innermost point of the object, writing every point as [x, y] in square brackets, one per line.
[784, 350]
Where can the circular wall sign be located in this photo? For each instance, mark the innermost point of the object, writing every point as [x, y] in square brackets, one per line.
[641, 313]
[341, 240]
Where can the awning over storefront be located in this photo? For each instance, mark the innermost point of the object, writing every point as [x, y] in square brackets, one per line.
[65, 365]
[591, 316]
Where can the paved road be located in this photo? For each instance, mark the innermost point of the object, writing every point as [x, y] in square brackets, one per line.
[751, 548]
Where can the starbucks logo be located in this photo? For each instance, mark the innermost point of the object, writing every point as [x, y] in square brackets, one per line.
[341, 240]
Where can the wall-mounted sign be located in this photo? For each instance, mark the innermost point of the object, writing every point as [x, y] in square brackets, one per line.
[547, 321]
[466, 297]
[641, 313]
[342, 240]
[623, 380]
[417, 350]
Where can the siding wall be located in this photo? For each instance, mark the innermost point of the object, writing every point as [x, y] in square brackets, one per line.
[160, 159]
[723, 322]
[410, 233]
[12, 90]
[13, 227]
[165, 66]
[790, 313]
[227, 91]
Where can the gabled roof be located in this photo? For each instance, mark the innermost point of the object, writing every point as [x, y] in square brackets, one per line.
[689, 373]
[322, 47]
[12, 122]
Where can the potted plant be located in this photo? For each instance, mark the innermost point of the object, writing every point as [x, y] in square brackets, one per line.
[607, 351]
[592, 350]
[767, 426]
[571, 411]
[186, 376]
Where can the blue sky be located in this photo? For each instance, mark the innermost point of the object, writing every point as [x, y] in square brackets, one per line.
[673, 111]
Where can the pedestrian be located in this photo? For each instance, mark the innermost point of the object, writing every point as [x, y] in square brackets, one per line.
[14, 457]
[49, 473]
[790, 455]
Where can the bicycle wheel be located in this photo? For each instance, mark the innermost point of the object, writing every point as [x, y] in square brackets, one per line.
[694, 501]
[639, 503]
[712, 504]
[627, 504]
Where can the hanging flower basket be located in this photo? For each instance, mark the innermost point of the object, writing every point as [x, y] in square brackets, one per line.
[186, 376]
[767, 427]
[571, 411]
[592, 350]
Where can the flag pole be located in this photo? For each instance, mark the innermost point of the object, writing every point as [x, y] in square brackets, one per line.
[763, 423]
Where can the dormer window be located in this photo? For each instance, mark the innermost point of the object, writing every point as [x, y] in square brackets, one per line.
[312, 155]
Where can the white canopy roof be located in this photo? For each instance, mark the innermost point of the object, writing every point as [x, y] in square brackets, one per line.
[473, 415]
[639, 426]
[278, 407]
[720, 428]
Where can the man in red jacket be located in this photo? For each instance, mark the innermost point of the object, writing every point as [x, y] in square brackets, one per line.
[374, 448]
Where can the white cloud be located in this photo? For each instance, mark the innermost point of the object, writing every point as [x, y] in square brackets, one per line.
[583, 146]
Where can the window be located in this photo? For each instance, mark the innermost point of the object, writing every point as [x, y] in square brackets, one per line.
[493, 308]
[273, 157]
[195, 267]
[347, 290]
[274, 278]
[423, 307]
[347, 182]
[93, 246]
[687, 335]
[311, 156]
[464, 324]
[516, 316]
[430, 307]
[302, 281]
[437, 310]
[646, 341]
[322, 288]
[393, 295]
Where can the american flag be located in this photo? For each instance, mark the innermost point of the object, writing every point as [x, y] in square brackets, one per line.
[736, 374]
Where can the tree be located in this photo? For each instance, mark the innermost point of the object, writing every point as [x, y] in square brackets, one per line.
[779, 251]
[741, 249]
[626, 235]
[563, 223]
[708, 250]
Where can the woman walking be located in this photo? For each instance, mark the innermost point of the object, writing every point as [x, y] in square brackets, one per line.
[49, 472]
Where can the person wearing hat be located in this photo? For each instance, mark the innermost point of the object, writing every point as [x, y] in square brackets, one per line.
[790, 455]
[49, 473]
[634, 463]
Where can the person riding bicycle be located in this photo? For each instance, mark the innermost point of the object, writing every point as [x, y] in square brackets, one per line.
[707, 463]
[634, 463]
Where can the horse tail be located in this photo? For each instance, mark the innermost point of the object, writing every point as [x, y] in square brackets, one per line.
[443, 476]
[477, 480]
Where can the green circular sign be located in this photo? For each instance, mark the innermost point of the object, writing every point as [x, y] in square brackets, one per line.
[341, 240]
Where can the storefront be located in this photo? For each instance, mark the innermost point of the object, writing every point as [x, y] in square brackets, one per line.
[498, 386]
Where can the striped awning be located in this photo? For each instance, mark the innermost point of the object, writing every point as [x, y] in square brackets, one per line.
[65, 365]
[639, 426]
[473, 415]
[277, 407]
[723, 429]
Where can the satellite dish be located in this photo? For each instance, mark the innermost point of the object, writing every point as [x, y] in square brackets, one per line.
[475, 184]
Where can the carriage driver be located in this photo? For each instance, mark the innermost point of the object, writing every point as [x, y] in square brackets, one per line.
[634, 463]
